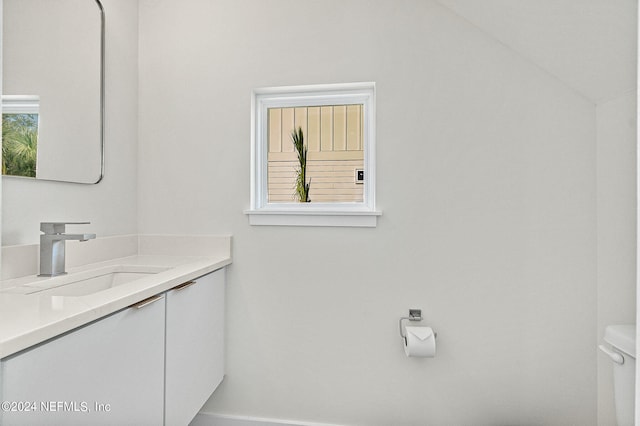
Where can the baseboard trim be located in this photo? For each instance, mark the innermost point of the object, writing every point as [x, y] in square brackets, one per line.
[212, 419]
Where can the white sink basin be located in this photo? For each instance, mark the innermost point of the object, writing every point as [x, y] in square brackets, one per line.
[88, 282]
[94, 285]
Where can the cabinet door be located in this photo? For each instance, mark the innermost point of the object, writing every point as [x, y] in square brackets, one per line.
[194, 346]
[109, 372]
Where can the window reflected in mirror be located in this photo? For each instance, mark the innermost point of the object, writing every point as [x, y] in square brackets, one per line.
[328, 161]
[20, 118]
[19, 144]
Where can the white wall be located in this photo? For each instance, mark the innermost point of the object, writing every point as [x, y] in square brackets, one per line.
[487, 181]
[616, 192]
[111, 205]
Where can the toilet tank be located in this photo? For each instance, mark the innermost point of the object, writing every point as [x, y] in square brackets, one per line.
[622, 339]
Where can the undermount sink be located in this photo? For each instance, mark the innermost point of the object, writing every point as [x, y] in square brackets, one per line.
[88, 282]
[95, 284]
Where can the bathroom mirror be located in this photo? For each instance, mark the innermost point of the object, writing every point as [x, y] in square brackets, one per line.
[53, 89]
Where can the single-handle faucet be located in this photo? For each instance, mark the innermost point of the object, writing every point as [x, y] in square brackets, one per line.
[52, 246]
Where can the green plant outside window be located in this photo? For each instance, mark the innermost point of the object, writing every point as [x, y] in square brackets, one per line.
[19, 144]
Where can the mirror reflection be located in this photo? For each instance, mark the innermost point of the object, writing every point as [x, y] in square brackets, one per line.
[52, 89]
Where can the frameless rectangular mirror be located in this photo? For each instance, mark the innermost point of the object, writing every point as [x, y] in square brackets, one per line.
[53, 87]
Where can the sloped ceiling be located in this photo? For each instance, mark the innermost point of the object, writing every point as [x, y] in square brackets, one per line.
[590, 45]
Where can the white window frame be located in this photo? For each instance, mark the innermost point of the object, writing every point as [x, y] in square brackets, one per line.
[261, 212]
[21, 104]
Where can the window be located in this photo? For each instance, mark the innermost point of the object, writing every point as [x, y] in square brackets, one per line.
[20, 115]
[313, 156]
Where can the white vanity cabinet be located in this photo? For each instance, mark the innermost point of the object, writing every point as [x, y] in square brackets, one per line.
[194, 364]
[156, 362]
[106, 373]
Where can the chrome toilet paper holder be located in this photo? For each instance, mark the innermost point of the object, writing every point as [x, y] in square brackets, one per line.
[414, 315]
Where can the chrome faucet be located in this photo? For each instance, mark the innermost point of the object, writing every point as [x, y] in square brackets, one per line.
[52, 246]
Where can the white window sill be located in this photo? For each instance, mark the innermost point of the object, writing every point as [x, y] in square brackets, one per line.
[298, 217]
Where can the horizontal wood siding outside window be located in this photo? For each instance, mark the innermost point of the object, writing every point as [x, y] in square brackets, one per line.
[333, 136]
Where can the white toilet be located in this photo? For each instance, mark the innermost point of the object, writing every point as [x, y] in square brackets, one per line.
[622, 339]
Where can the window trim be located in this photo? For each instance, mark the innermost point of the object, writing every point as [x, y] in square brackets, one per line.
[261, 212]
[21, 104]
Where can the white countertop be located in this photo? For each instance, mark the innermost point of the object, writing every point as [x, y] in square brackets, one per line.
[29, 319]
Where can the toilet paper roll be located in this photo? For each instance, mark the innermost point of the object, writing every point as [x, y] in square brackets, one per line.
[420, 342]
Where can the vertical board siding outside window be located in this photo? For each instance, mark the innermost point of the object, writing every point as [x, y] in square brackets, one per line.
[334, 138]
